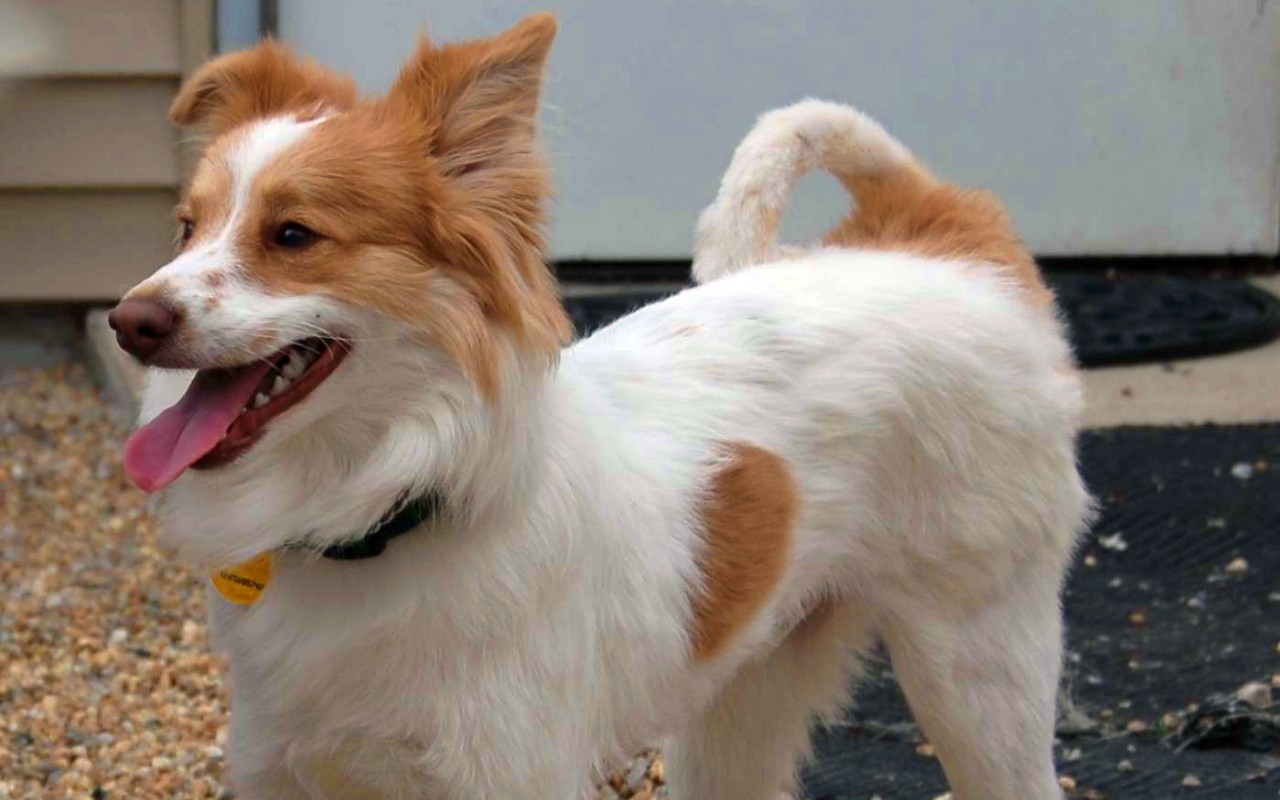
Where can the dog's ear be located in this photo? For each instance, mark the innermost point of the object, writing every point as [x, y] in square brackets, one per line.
[474, 107]
[479, 99]
[263, 81]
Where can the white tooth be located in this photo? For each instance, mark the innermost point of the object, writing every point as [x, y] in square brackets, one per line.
[295, 366]
[260, 400]
[279, 385]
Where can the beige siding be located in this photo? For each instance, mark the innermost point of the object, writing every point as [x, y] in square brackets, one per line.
[89, 163]
[104, 37]
[71, 132]
[81, 245]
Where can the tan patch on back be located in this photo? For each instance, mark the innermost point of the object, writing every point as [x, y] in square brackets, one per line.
[748, 517]
[908, 211]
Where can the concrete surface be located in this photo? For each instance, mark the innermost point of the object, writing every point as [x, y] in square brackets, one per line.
[1238, 387]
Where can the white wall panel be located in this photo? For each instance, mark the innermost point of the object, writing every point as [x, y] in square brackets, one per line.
[1109, 126]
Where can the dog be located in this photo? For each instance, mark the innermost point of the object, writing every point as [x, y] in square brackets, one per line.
[453, 558]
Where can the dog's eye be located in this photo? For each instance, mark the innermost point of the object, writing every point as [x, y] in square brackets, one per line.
[188, 230]
[295, 236]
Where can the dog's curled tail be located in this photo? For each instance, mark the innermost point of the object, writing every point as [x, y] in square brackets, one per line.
[898, 204]
[741, 227]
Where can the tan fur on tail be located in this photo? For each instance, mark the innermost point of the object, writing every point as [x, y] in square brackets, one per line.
[899, 204]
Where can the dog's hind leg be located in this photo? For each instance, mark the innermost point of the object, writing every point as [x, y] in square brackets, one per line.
[981, 677]
[747, 744]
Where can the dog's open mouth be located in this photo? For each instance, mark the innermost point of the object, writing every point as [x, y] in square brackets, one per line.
[226, 410]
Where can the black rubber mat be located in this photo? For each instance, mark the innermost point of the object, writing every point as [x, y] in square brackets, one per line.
[1173, 606]
[1113, 320]
[1135, 319]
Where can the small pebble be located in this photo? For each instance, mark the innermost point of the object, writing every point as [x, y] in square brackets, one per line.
[635, 777]
[1067, 783]
[1114, 542]
[1242, 471]
[1191, 782]
[1125, 765]
[1238, 566]
[1256, 695]
[1136, 726]
[1138, 618]
[657, 771]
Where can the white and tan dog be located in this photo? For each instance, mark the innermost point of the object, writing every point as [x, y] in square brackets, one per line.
[686, 526]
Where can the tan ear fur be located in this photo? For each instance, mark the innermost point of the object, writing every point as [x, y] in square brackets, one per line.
[479, 99]
[477, 103]
[263, 81]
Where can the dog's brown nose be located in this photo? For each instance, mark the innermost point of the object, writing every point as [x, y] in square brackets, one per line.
[141, 325]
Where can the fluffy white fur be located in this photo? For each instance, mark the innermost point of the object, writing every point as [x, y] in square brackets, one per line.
[540, 628]
[740, 228]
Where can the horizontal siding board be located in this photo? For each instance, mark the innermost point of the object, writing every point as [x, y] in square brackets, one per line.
[81, 245]
[94, 37]
[86, 133]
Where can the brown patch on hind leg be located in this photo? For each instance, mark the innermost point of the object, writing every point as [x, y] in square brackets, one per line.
[748, 517]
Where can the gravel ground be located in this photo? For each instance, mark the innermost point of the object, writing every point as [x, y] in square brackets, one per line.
[108, 688]
[107, 685]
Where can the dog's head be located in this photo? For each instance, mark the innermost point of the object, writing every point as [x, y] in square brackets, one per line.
[338, 254]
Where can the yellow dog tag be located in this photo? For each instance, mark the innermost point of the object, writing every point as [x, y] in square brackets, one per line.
[244, 583]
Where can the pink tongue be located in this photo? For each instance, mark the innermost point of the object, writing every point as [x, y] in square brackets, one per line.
[158, 452]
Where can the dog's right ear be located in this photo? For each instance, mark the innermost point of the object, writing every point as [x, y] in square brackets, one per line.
[263, 81]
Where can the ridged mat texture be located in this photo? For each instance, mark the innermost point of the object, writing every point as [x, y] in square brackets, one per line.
[1173, 606]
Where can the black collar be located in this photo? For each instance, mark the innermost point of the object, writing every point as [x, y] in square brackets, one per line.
[407, 517]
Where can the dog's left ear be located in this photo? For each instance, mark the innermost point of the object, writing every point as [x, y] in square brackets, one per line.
[263, 81]
[479, 99]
